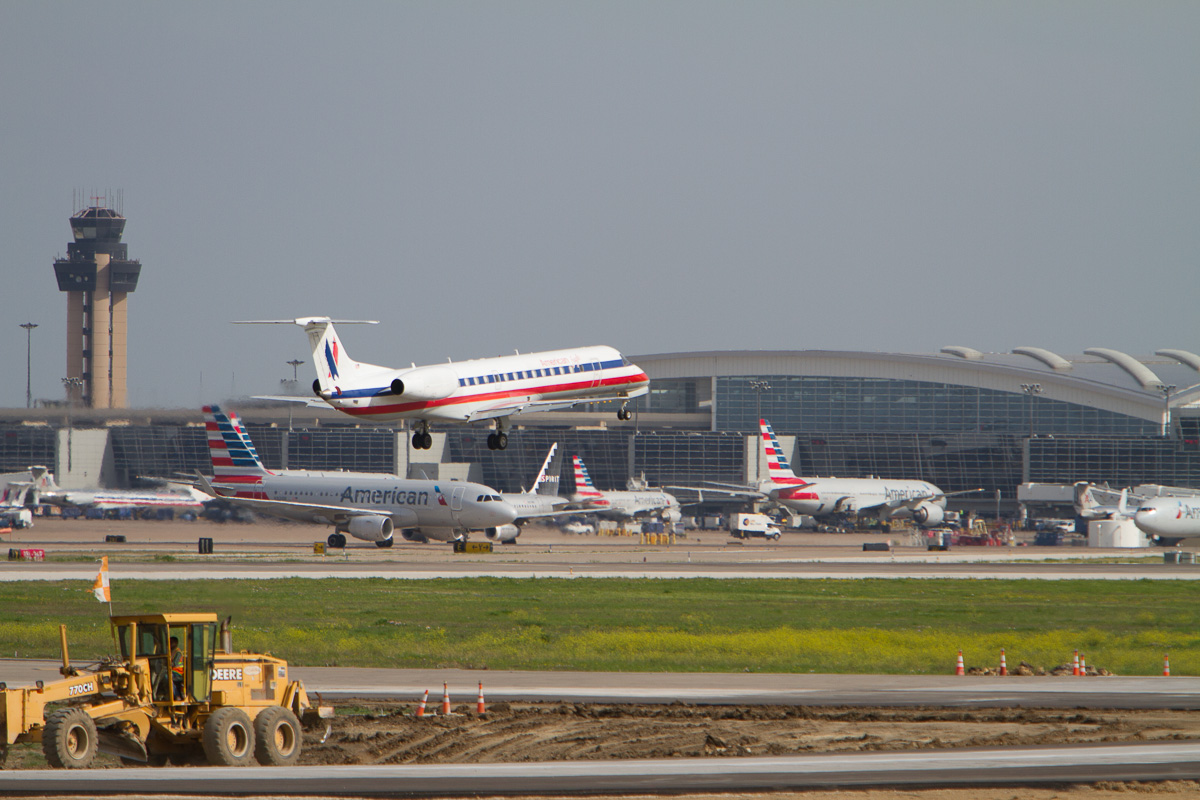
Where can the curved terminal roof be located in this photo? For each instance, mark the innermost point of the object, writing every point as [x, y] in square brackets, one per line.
[1139, 371]
[1052, 360]
[1099, 379]
[1182, 356]
[968, 353]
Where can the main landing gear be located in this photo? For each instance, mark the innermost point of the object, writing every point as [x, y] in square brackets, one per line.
[624, 414]
[422, 439]
[499, 439]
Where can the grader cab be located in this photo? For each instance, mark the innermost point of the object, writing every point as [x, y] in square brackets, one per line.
[176, 692]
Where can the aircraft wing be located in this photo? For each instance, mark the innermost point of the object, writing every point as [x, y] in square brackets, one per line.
[301, 512]
[913, 502]
[509, 408]
[308, 402]
[724, 489]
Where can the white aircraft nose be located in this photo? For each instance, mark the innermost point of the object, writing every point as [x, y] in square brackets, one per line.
[1144, 518]
[499, 513]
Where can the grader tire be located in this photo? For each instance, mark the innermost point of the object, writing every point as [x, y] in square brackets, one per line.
[228, 738]
[277, 737]
[69, 739]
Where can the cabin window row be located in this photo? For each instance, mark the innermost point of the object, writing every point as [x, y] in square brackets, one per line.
[500, 377]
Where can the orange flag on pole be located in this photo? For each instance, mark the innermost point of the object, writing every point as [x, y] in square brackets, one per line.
[100, 587]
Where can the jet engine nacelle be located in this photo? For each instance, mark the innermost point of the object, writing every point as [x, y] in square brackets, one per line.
[425, 383]
[846, 505]
[504, 534]
[370, 528]
[414, 535]
[672, 515]
[928, 514]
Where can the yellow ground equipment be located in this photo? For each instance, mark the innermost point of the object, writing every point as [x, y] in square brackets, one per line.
[177, 693]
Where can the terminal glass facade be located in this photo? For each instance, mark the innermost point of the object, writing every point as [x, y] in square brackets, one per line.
[815, 404]
[23, 446]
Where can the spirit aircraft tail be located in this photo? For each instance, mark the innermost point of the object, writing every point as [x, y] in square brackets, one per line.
[546, 482]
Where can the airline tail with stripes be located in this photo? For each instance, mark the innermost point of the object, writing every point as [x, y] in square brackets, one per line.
[236, 465]
[585, 490]
[777, 464]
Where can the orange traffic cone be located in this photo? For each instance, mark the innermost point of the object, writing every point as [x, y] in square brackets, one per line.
[1003, 663]
[1083, 666]
[421, 708]
[445, 700]
[480, 707]
[959, 669]
[1167, 666]
[1075, 668]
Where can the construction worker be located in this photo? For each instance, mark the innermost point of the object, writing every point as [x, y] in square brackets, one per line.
[176, 668]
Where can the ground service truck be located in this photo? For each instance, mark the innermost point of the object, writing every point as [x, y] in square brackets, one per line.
[176, 693]
[743, 526]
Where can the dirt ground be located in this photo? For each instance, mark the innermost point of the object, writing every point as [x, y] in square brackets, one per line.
[389, 734]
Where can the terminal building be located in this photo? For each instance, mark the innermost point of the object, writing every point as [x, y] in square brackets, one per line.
[960, 418]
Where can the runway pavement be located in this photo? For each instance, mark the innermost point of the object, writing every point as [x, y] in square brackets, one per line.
[722, 688]
[1012, 766]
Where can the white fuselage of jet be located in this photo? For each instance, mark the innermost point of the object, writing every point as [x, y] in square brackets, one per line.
[621, 505]
[822, 497]
[438, 509]
[1169, 517]
[464, 391]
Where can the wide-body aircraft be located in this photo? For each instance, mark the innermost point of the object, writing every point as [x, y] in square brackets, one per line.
[839, 499]
[622, 505]
[465, 391]
[366, 505]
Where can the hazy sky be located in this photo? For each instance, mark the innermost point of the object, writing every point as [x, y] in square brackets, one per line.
[658, 176]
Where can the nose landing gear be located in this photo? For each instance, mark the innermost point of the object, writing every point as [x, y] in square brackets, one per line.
[624, 414]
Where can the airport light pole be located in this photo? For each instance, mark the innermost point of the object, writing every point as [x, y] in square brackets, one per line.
[1167, 391]
[1031, 390]
[28, 326]
[759, 387]
[295, 362]
[70, 384]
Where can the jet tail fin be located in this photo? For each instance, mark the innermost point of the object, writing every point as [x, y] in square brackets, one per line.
[777, 464]
[234, 459]
[583, 481]
[546, 482]
[328, 356]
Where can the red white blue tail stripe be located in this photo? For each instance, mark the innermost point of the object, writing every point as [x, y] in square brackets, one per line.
[583, 482]
[235, 462]
[777, 464]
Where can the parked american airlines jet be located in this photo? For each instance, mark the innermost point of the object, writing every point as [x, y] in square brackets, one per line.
[366, 505]
[466, 391]
[622, 504]
[1169, 520]
[841, 498]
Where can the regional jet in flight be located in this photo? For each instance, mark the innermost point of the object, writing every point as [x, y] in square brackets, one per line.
[465, 391]
[366, 505]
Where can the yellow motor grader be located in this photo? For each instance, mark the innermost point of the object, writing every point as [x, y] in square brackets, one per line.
[176, 692]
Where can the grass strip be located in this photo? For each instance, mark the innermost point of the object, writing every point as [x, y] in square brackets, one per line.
[824, 626]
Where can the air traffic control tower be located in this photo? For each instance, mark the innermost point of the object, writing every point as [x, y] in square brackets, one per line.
[97, 275]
